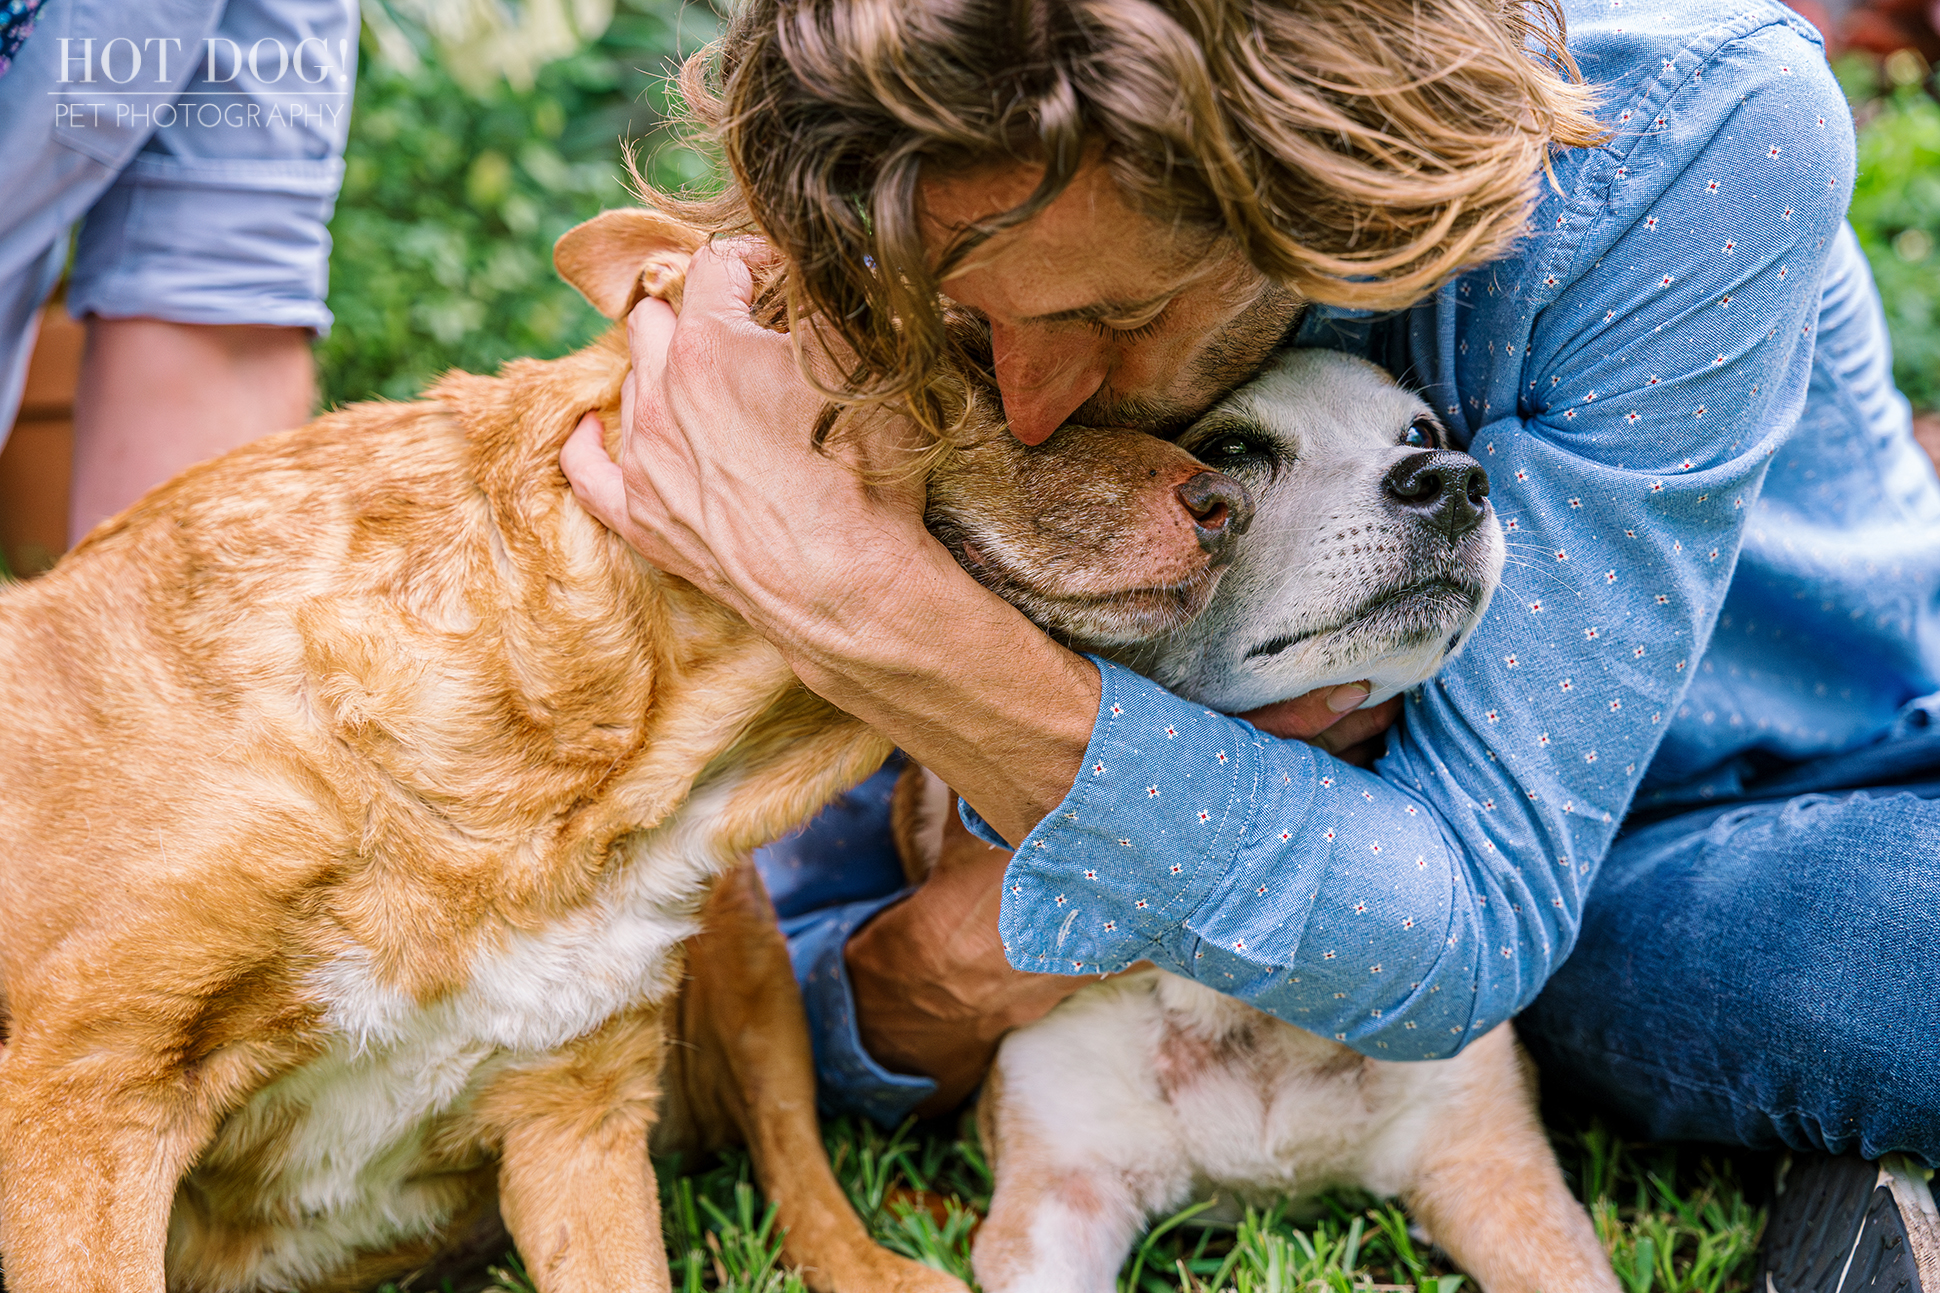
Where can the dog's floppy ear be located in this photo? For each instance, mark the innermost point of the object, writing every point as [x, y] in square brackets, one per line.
[619, 257]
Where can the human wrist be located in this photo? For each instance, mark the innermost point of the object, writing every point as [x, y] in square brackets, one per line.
[873, 612]
[908, 642]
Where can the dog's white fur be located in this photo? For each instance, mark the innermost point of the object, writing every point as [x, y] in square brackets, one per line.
[357, 1122]
[1140, 1092]
[1320, 431]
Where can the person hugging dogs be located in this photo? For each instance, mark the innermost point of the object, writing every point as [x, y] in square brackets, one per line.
[1673, 806]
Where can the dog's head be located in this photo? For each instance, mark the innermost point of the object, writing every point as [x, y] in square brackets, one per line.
[1104, 536]
[1373, 550]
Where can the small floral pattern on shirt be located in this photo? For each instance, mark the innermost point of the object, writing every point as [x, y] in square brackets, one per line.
[1626, 379]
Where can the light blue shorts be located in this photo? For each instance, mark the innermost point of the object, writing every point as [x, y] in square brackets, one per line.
[200, 146]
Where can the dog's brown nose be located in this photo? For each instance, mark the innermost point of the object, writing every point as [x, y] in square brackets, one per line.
[1220, 508]
[1449, 491]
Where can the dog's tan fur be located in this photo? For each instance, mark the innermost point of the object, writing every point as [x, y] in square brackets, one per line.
[234, 759]
[301, 746]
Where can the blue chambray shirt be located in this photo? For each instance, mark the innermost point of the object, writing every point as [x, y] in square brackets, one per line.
[1724, 554]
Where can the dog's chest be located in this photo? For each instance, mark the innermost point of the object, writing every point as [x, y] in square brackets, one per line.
[341, 1146]
[1172, 1079]
[1260, 1102]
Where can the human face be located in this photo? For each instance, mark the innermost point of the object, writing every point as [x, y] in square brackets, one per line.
[1098, 313]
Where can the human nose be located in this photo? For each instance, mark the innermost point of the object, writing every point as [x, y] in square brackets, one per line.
[1044, 379]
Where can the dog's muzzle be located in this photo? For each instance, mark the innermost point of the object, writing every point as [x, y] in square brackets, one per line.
[1448, 491]
[1220, 508]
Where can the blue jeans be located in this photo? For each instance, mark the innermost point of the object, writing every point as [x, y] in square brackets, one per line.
[201, 200]
[1766, 972]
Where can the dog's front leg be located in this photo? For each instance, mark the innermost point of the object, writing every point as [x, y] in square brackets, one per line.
[1061, 1221]
[89, 1165]
[575, 1185]
[750, 1063]
[1487, 1186]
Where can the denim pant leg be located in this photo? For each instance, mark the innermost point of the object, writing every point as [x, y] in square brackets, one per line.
[1764, 974]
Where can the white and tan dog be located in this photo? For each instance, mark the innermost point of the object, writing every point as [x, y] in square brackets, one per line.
[1372, 554]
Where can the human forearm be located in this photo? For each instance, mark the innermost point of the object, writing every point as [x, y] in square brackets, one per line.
[156, 397]
[958, 680]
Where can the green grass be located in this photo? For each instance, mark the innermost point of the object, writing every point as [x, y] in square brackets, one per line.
[1673, 1220]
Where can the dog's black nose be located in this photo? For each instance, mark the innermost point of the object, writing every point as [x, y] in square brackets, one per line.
[1450, 491]
[1220, 509]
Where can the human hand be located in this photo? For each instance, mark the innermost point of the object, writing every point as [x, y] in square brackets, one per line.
[717, 479]
[934, 993]
[1331, 719]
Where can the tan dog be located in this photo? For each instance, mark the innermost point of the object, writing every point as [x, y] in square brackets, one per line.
[1372, 553]
[360, 791]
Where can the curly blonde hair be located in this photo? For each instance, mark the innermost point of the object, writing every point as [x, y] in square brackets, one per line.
[1357, 152]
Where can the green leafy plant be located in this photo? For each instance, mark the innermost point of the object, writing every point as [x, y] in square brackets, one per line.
[452, 199]
[1896, 211]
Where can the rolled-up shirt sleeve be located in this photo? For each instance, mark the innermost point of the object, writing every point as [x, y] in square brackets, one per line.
[848, 1080]
[1667, 338]
[223, 216]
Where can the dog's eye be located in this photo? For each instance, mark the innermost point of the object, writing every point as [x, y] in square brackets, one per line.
[1422, 433]
[1227, 448]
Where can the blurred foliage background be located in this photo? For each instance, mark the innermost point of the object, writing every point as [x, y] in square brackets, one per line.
[1896, 207]
[465, 163]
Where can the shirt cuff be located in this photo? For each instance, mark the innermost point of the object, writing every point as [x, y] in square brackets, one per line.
[236, 241]
[1163, 805]
[848, 1080]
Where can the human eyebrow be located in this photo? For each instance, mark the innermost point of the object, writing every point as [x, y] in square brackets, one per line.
[1129, 314]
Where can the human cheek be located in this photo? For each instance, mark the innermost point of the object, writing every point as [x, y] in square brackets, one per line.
[1155, 365]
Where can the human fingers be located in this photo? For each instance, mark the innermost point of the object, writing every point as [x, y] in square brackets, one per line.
[596, 479]
[649, 328]
[633, 511]
[649, 331]
[720, 286]
[720, 279]
[1359, 727]
[1305, 717]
